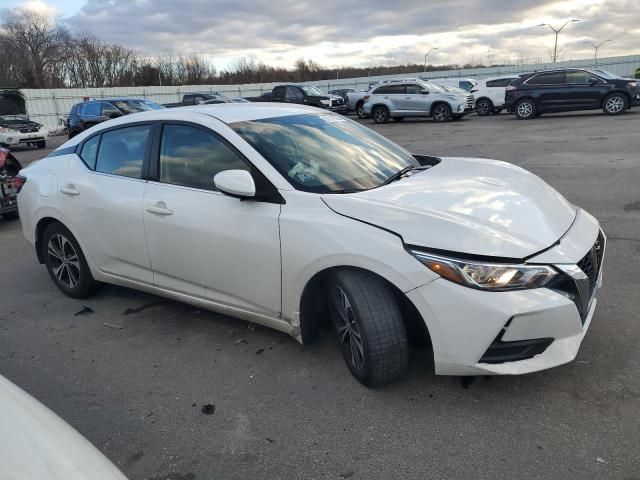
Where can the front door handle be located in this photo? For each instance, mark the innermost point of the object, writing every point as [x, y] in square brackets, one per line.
[69, 190]
[158, 208]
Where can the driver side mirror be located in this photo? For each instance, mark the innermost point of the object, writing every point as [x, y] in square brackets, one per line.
[424, 92]
[594, 82]
[235, 183]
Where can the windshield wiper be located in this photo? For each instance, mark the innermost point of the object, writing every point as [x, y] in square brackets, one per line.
[399, 174]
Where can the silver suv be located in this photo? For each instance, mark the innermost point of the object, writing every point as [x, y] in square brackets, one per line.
[399, 100]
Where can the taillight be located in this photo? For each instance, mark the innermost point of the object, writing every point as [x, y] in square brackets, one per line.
[366, 97]
[18, 182]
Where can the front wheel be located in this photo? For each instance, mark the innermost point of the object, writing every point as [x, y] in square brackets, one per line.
[66, 263]
[615, 104]
[441, 113]
[380, 114]
[368, 321]
[525, 109]
[484, 107]
[42, 144]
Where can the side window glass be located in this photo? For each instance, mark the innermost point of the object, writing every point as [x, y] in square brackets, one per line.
[579, 77]
[110, 111]
[122, 151]
[91, 110]
[465, 85]
[89, 152]
[192, 157]
[414, 89]
[293, 95]
[553, 78]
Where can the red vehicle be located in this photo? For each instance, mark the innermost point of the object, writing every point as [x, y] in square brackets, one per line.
[10, 184]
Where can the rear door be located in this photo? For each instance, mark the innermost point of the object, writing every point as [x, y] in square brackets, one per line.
[101, 193]
[585, 89]
[551, 91]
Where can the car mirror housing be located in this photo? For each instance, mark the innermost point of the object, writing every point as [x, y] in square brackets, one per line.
[424, 92]
[235, 183]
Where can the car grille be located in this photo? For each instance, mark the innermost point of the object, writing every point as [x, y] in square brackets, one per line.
[590, 264]
[470, 102]
[29, 130]
[337, 102]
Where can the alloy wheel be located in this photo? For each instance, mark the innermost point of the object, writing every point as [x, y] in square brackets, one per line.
[525, 109]
[440, 113]
[614, 105]
[64, 260]
[347, 327]
[360, 112]
[380, 115]
[482, 107]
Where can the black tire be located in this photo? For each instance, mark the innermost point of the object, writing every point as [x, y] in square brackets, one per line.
[360, 110]
[498, 110]
[42, 144]
[10, 215]
[373, 313]
[441, 112]
[615, 103]
[525, 109]
[398, 119]
[484, 107]
[63, 273]
[380, 114]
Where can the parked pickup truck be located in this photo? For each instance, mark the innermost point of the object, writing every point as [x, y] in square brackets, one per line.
[305, 95]
[196, 98]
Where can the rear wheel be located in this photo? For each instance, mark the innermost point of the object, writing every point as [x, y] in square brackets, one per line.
[484, 107]
[380, 114]
[615, 104]
[360, 110]
[66, 263]
[441, 113]
[368, 321]
[525, 109]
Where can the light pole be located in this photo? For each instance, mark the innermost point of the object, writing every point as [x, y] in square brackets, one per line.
[557, 31]
[425, 57]
[596, 46]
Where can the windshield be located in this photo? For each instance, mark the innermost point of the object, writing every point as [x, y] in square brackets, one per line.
[135, 106]
[312, 91]
[325, 153]
[606, 74]
[433, 87]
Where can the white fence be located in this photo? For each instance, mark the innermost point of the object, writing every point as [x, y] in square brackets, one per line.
[50, 106]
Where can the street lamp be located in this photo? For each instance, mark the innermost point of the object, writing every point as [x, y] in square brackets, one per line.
[557, 31]
[425, 57]
[596, 46]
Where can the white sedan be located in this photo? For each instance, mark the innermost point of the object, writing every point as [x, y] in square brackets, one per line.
[289, 215]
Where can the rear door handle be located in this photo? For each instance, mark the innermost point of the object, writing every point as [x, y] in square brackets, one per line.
[158, 208]
[69, 190]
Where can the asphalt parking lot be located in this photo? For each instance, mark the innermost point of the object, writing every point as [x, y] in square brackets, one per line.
[133, 375]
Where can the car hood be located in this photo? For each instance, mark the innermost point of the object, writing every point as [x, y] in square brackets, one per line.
[466, 205]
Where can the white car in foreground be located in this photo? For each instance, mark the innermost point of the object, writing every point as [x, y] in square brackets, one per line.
[490, 93]
[288, 215]
[36, 444]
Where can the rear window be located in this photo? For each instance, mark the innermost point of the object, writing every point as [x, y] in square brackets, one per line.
[91, 109]
[122, 151]
[552, 78]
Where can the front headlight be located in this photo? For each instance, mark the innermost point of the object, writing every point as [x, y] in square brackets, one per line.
[325, 102]
[487, 276]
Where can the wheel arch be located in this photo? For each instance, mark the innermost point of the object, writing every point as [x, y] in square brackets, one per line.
[617, 90]
[439, 102]
[41, 226]
[313, 306]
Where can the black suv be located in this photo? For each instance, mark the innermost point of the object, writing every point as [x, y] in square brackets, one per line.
[87, 114]
[571, 89]
[308, 95]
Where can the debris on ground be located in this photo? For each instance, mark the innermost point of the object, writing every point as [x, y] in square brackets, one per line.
[208, 409]
[139, 309]
[239, 341]
[600, 460]
[83, 311]
[259, 351]
[269, 440]
[113, 326]
[347, 474]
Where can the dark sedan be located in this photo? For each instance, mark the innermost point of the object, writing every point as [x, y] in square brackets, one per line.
[571, 89]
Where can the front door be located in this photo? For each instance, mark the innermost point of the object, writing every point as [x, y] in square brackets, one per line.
[418, 100]
[204, 243]
[585, 90]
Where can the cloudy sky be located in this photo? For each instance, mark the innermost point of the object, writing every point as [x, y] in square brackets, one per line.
[354, 32]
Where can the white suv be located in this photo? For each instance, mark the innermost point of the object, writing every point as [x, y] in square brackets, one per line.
[418, 98]
[490, 93]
